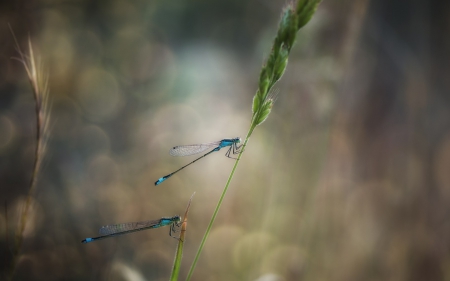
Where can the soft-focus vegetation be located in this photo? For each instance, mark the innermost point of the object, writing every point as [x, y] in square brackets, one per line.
[37, 77]
[347, 180]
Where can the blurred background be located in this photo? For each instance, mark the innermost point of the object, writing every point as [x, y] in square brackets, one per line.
[348, 178]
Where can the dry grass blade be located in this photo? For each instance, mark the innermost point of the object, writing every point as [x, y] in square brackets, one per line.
[39, 84]
[179, 253]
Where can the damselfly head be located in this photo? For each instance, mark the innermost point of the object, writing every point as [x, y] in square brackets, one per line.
[238, 140]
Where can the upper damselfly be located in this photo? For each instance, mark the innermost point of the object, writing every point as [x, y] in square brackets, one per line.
[129, 227]
[186, 150]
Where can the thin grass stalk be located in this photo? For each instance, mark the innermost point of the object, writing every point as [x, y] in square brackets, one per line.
[292, 20]
[6, 223]
[216, 210]
[39, 85]
[179, 253]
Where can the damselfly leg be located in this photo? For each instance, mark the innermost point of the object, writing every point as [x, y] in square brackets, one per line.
[235, 148]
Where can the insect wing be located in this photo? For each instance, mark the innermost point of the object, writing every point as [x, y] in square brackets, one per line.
[124, 227]
[186, 150]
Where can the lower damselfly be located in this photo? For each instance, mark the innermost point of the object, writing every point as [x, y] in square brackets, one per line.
[129, 227]
[186, 150]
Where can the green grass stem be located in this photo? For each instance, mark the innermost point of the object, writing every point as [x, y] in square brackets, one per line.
[291, 21]
[179, 254]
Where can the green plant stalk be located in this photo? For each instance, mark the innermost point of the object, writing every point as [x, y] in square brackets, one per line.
[222, 196]
[178, 257]
[291, 21]
[179, 253]
[216, 210]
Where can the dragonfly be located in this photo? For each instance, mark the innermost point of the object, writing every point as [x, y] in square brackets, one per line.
[129, 227]
[186, 150]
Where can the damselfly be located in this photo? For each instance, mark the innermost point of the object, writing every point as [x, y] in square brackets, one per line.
[186, 150]
[124, 228]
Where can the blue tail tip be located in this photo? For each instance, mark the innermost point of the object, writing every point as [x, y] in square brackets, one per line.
[87, 240]
[159, 181]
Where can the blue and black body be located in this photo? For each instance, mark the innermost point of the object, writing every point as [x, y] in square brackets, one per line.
[186, 150]
[129, 227]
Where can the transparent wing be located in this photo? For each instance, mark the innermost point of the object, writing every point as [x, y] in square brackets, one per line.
[123, 227]
[186, 150]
